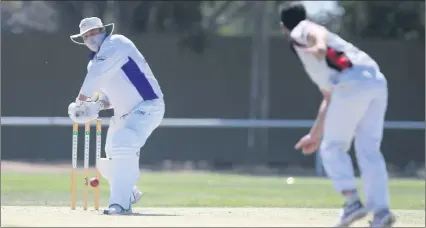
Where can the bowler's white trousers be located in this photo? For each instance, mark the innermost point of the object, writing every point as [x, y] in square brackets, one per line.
[357, 109]
[126, 136]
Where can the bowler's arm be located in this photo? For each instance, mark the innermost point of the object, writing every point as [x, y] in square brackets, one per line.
[315, 35]
[318, 127]
[317, 38]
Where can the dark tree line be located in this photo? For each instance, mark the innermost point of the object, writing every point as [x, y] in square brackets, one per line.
[188, 19]
[385, 19]
[133, 17]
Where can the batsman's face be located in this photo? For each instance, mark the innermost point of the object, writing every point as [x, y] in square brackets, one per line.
[86, 36]
[93, 39]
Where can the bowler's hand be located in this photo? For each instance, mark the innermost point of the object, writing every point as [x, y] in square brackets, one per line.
[308, 144]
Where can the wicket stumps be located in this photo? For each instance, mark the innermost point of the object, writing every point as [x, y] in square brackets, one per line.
[97, 194]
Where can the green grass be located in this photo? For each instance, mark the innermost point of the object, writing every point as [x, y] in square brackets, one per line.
[203, 190]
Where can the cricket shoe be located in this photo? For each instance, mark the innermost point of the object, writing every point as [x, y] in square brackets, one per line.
[351, 213]
[136, 195]
[383, 219]
[115, 209]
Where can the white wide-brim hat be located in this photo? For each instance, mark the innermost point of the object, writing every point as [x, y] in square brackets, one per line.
[88, 24]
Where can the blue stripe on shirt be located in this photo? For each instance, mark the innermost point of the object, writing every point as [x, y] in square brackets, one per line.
[139, 80]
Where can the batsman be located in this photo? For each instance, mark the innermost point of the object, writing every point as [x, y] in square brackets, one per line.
[119, 73]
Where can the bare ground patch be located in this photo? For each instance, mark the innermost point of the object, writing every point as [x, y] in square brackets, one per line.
[28, 167]
[188, 217]
[33, 167]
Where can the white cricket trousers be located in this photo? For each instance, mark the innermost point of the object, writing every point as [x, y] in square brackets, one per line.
[357, 109]
[126, 136]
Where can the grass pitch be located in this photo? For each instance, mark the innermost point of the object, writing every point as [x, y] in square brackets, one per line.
[196, 200]
[184, 189]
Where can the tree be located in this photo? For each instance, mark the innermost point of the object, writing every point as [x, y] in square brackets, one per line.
[384, 19]
[191, 20]
[23, 16]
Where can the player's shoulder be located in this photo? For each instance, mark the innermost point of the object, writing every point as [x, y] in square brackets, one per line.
[299, 30]
[117, 41]
[114, 44]
[119, 38]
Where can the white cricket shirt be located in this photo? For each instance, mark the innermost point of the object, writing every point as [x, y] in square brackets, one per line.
[120, 72]
[340, 56]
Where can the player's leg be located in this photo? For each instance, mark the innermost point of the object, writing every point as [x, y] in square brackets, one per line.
[371, 162]
[124, 170]
[105, 167]
[346, 109]
[104, 164]
[126, 144]
[156, 114]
